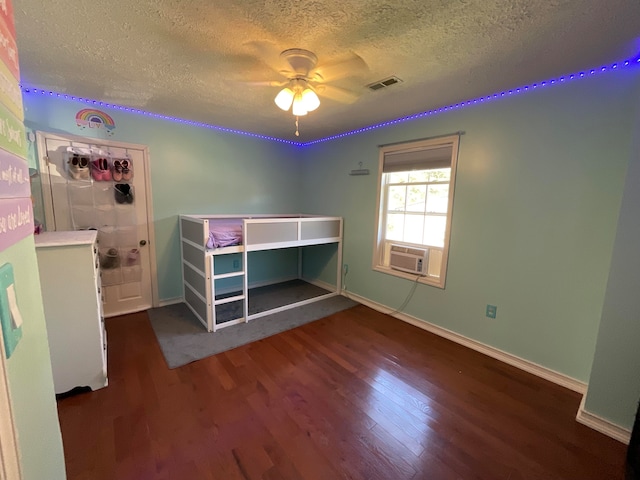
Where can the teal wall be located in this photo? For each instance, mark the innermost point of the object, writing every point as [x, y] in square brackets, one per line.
[266, 266]
[614, 385]
[539, 186]
[29, 372]
[193, 170]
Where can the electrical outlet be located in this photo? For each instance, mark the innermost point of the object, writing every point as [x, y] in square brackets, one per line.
[492, 311]
[345, 268]
[236, 264]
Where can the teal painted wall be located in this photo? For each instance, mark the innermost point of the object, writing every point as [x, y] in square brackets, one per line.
[538, 190]
[29, 373]
[266, 266]
[320, 262]
[193, 171]
[614, 385]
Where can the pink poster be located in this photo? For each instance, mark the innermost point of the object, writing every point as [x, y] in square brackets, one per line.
[6, 14]
[16, 221]
[9, 50]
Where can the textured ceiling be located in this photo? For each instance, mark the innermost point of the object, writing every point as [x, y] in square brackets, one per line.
[196, 59]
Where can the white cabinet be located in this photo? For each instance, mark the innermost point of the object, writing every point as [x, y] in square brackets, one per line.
[71, 293]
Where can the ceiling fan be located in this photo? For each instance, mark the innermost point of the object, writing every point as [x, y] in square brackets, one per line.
[305, 79]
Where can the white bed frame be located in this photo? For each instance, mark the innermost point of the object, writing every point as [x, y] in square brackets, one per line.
[259, 232]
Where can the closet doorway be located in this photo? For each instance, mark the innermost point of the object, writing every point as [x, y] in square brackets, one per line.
[105, 186]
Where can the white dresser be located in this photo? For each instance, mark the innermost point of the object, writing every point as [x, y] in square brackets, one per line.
[71, 293]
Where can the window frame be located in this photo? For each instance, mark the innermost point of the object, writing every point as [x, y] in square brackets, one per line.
[380, 247]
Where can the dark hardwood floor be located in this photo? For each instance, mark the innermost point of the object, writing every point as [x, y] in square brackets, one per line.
[357, 395]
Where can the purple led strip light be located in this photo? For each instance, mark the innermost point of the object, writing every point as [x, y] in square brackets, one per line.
[151, 114]
[505, 93]
[514, 91]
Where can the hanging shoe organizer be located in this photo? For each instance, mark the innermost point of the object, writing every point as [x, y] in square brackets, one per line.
[102, 198]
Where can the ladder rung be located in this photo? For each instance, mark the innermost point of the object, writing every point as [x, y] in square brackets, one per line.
[228, 300]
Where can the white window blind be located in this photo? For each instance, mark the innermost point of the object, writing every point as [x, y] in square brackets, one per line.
[417, 159]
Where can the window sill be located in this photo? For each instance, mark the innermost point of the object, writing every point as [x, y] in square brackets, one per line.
[431, 281]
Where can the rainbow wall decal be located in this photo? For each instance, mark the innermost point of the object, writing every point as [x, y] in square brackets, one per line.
[92, 118]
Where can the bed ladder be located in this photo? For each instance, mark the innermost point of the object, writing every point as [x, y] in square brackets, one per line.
[234, 298]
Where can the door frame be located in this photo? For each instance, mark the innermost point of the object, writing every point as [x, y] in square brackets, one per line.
[47, 195]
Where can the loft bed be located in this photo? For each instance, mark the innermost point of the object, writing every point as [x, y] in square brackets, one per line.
[206, 239]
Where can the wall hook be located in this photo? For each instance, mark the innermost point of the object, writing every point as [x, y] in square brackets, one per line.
[360, 171]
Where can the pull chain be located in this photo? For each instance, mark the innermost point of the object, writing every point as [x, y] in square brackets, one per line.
[297, 132]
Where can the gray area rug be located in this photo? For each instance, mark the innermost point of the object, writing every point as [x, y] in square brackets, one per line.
[183, 339]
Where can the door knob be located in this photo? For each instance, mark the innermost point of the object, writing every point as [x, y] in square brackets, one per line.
[143, 243]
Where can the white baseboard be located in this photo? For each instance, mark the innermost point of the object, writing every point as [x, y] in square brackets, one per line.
[586, 418]
[320, 283]
[522, 364]
[583, 416]
[171, 301]
[601, 425]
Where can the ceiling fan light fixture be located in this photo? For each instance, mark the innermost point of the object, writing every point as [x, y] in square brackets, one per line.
[298, 94]
[299, 109]
[310, 100]
[284, 99]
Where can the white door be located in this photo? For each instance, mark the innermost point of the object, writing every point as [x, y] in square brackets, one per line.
[104, 185]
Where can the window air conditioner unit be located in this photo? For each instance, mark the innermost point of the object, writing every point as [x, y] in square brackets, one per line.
[409, 259]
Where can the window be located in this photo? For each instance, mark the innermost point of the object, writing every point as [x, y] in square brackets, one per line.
[415, 200]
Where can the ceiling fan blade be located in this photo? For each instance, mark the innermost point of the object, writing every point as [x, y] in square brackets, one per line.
[269, 54]
[272, 83]
[346, 66]
[336, 93]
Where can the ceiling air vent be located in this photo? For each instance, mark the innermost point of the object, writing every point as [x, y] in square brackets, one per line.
[387, 82]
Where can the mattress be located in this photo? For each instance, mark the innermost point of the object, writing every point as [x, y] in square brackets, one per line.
[224, 233]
